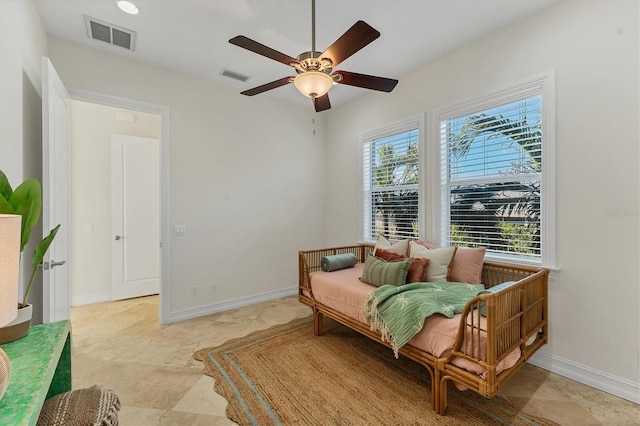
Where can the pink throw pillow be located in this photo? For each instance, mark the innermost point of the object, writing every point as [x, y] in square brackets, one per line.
[466, 265]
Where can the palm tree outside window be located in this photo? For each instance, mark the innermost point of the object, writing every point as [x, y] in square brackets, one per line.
[391, 184]
[491, 178]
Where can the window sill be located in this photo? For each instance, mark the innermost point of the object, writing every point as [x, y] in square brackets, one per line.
[521, 262]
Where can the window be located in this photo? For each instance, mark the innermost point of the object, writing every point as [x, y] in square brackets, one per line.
[493, 175]
[391, 181]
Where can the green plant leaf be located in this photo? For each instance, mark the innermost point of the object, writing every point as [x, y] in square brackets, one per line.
[27, 202]
[25, 210]
[42, 248]
[6, 207]
[5, 187]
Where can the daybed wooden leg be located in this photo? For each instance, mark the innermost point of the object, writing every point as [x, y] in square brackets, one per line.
[317, 323]
[442, 403]
[435, 396]
[433, 389]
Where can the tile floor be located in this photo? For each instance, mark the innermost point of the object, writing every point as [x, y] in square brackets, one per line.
[121, 346]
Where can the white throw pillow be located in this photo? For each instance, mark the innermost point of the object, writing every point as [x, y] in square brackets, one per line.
[439, 260]
[399, 247]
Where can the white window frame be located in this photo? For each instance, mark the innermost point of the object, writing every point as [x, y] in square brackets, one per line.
[405, 125]
[543, 85]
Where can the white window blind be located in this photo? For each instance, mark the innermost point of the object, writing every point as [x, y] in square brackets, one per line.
[391, 183]
[491, 178]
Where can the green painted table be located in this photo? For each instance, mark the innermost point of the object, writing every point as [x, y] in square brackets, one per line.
[40, 369]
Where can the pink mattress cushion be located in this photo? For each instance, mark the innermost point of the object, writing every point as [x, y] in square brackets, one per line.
[344, 292]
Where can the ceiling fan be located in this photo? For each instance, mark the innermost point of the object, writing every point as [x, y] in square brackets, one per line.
[315, 75]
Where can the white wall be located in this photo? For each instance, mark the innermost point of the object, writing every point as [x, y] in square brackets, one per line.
[23, 41]
[247, 177]
[594, 48]
[91, 128]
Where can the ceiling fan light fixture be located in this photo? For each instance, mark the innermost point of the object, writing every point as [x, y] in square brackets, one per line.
[313, 84]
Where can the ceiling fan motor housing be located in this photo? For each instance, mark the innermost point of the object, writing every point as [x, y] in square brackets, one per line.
[309, 61]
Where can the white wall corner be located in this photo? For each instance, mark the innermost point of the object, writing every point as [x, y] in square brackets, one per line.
[605, 382]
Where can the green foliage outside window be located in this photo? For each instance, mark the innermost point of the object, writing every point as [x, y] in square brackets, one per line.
[394, 200]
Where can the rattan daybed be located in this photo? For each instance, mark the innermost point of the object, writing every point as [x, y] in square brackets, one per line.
[513, 326]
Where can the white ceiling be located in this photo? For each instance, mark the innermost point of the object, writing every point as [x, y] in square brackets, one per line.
[191, 36]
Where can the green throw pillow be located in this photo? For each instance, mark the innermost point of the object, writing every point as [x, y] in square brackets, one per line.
[338, 261]
[379, 272]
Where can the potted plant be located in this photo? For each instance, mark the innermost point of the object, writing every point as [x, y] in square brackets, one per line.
[26, 201]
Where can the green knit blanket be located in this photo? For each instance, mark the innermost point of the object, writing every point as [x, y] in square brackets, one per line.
[398, 313]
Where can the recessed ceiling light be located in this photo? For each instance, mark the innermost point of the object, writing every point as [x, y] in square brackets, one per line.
[128, 7]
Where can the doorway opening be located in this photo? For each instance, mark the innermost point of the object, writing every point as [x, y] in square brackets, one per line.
[99, 249]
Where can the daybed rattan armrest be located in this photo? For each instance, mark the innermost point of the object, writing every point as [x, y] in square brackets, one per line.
[512, 317]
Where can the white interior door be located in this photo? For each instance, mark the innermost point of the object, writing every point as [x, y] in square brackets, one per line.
[55, 194]
[135, 223]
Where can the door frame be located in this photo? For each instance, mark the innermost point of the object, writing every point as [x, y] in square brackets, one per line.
[165, 181]
[55, 192]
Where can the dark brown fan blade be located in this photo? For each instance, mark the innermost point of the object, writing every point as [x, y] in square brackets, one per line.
[356, 37]
[263, 50]
[268, 86]
[322, 103]
[366, 81]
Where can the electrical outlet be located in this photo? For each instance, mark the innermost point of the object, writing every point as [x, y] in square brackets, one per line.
[194, 290]
[213, 288]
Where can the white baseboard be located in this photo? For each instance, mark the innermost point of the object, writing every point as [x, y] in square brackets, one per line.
[617, 386]
[214, 308]
[91, 298]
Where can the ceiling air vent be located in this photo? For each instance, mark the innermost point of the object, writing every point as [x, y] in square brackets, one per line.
[109, 33]
[234, 75]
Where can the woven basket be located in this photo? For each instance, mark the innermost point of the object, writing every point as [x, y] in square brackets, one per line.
[96, 406]
[18, 328]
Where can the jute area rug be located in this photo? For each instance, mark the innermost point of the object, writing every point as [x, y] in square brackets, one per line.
[286, 376]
